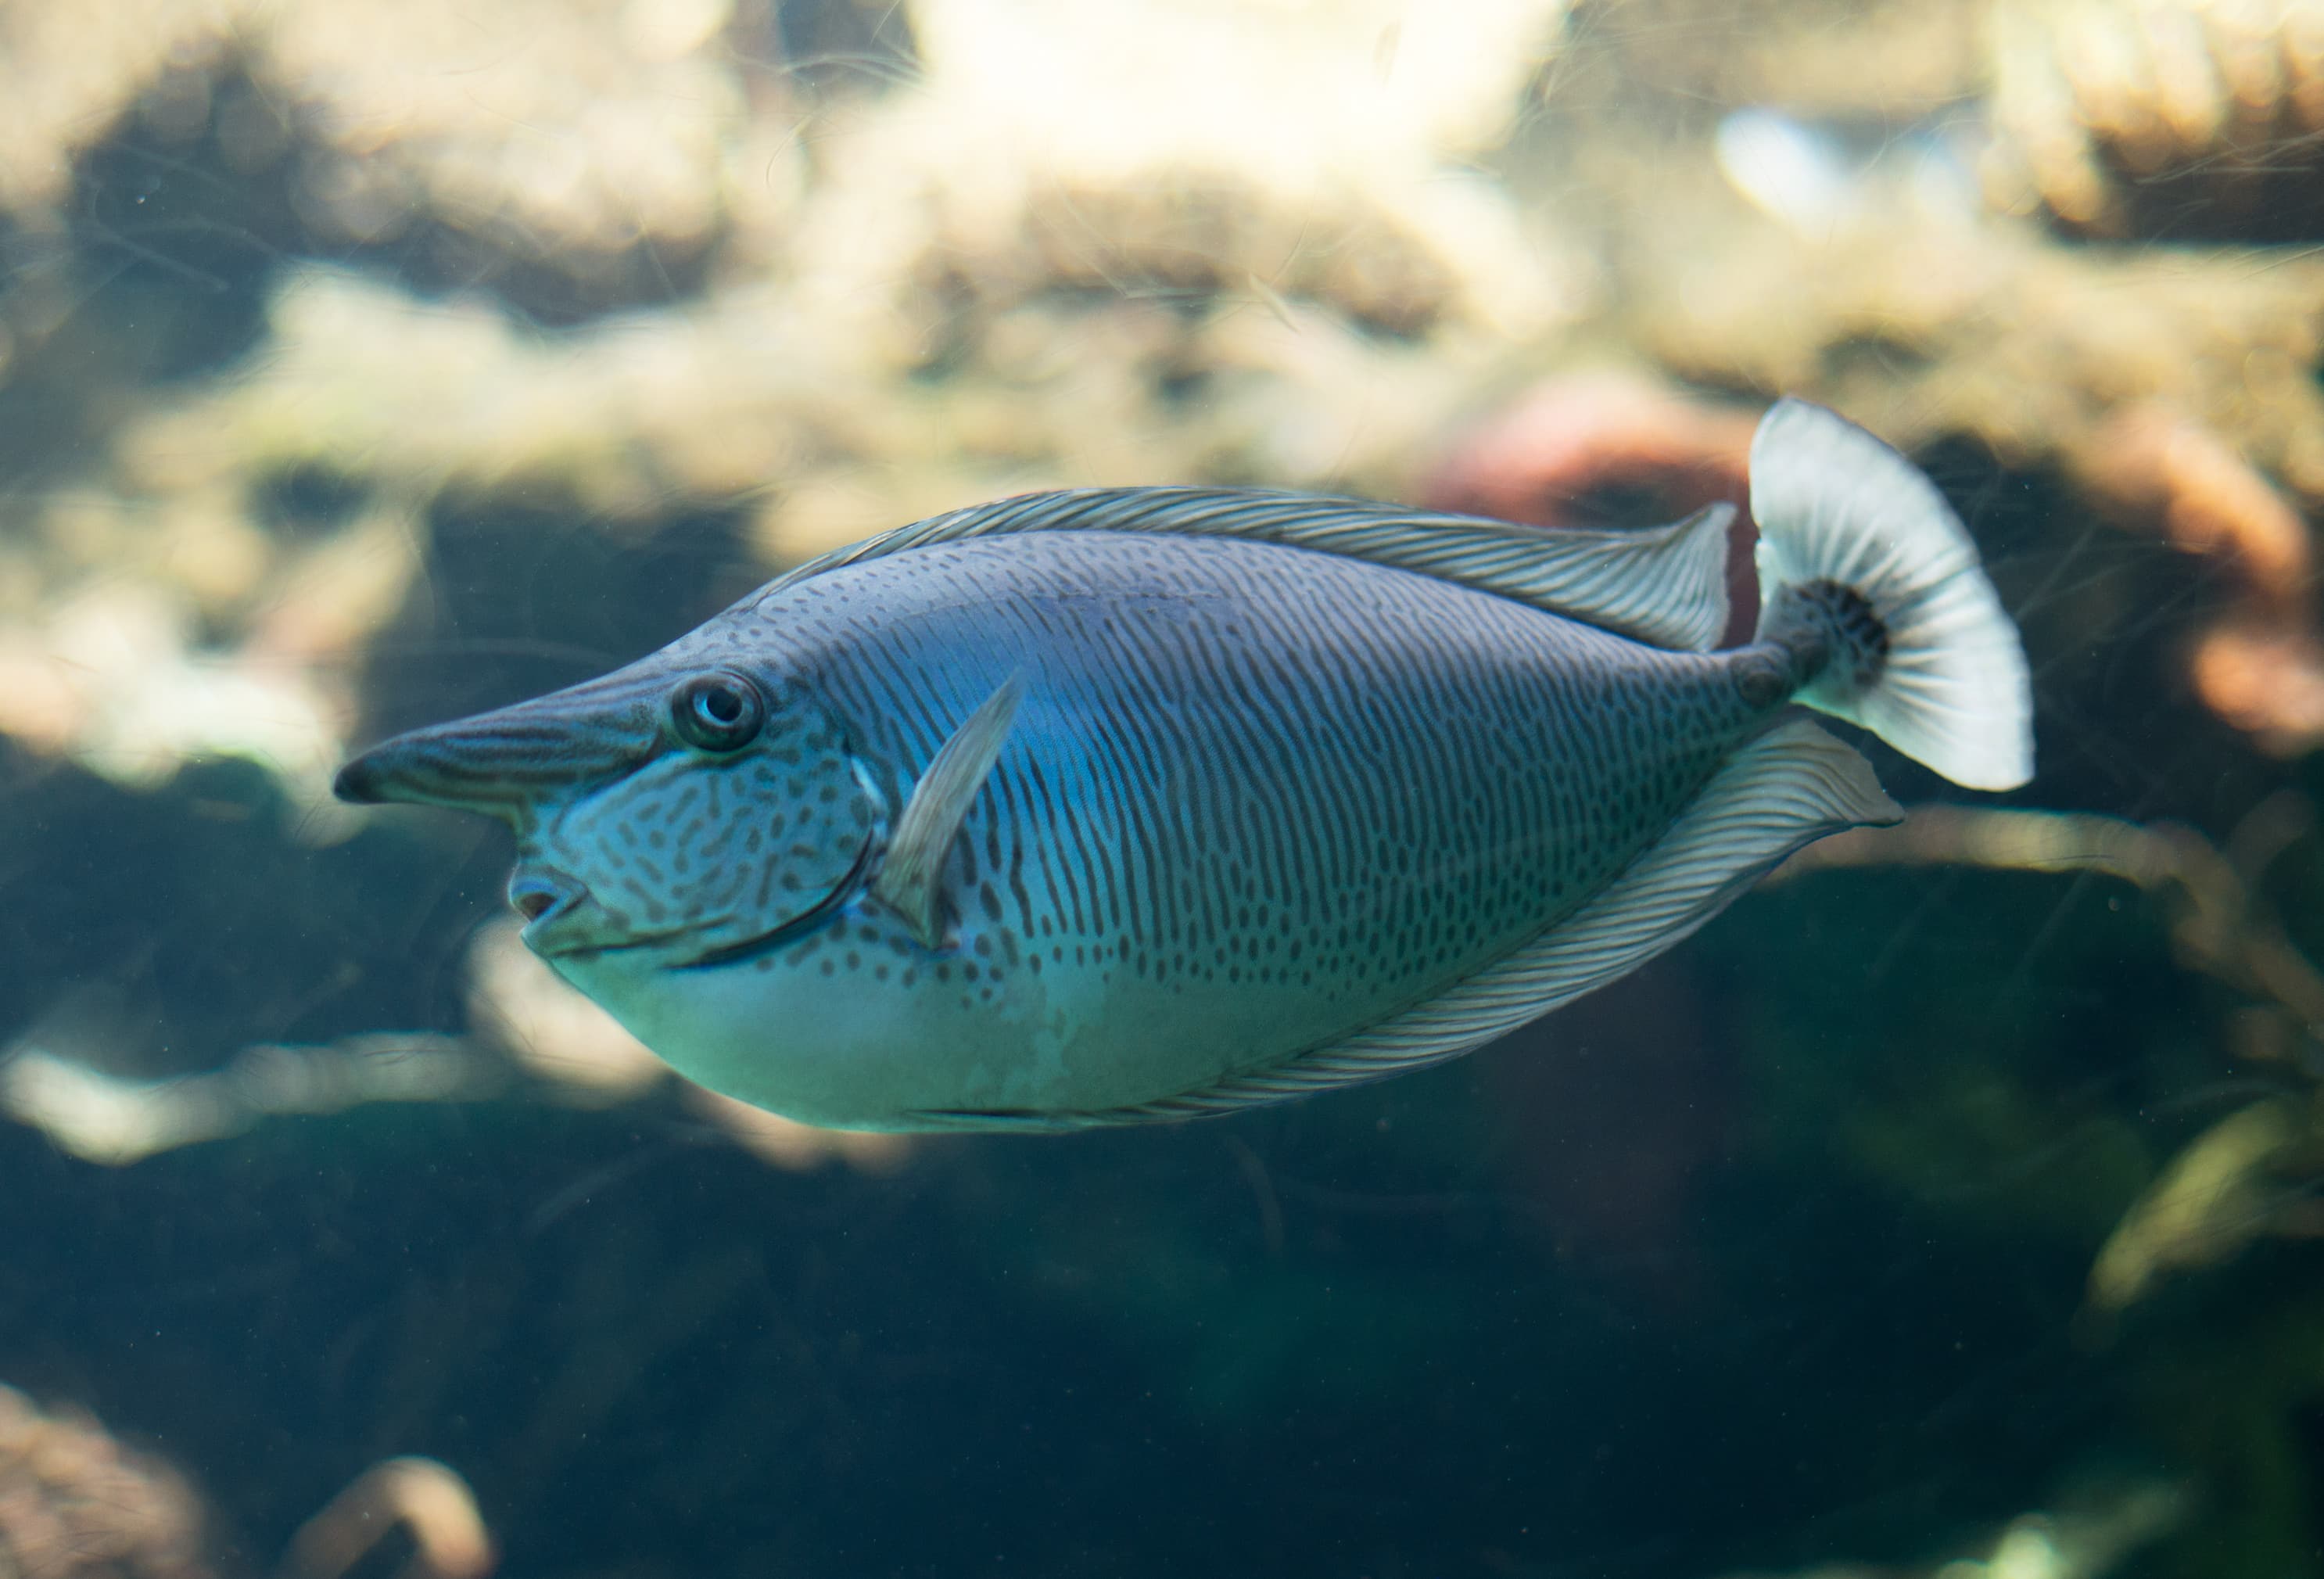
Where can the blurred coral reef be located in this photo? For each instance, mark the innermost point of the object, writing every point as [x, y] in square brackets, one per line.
[2252, 1174]
[535, 1036]
[76, 1504]
[2100, 1531]
[369, 360]
[417, 1495]
[574, 154]
[2180, 120]
[2261, 665]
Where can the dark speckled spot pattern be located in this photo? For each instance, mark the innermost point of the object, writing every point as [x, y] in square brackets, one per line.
[1243, 766]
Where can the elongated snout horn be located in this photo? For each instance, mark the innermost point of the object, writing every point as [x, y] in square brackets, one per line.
[501, 764]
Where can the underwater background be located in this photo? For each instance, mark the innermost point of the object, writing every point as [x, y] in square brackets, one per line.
[1949, 1206]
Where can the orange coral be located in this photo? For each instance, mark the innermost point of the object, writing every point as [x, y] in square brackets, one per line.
[1576, 447]
[2261, 665]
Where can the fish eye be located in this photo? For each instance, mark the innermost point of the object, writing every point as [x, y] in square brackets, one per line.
[719, 711]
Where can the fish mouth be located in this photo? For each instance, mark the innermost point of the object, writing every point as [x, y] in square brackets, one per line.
[544, 897]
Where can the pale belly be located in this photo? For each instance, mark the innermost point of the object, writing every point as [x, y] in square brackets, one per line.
[865, 1029]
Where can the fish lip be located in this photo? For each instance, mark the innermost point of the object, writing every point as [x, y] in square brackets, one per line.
[544, 897]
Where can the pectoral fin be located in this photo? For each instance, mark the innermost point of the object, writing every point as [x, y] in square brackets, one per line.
[910, 877]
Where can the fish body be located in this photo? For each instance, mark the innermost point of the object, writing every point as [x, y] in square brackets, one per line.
[1254, 798]
[1133, 804]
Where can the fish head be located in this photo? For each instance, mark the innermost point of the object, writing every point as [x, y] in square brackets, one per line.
[677, 813]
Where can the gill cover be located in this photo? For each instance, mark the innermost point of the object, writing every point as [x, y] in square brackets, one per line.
[719, 853]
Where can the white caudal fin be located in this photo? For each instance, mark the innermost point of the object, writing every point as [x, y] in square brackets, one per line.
[1861, 559]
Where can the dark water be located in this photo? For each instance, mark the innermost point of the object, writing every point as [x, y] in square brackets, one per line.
[1774, 1257]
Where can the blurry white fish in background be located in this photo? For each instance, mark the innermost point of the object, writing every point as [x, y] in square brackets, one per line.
[1114, 805]
[1818, 175]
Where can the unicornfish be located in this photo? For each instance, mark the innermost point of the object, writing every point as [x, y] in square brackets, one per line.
[1111, 805]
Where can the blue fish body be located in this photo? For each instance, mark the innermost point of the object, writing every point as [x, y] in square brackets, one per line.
[1140, 804]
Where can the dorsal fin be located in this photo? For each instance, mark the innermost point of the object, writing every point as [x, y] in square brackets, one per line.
[913, 869]
[1666, 584]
